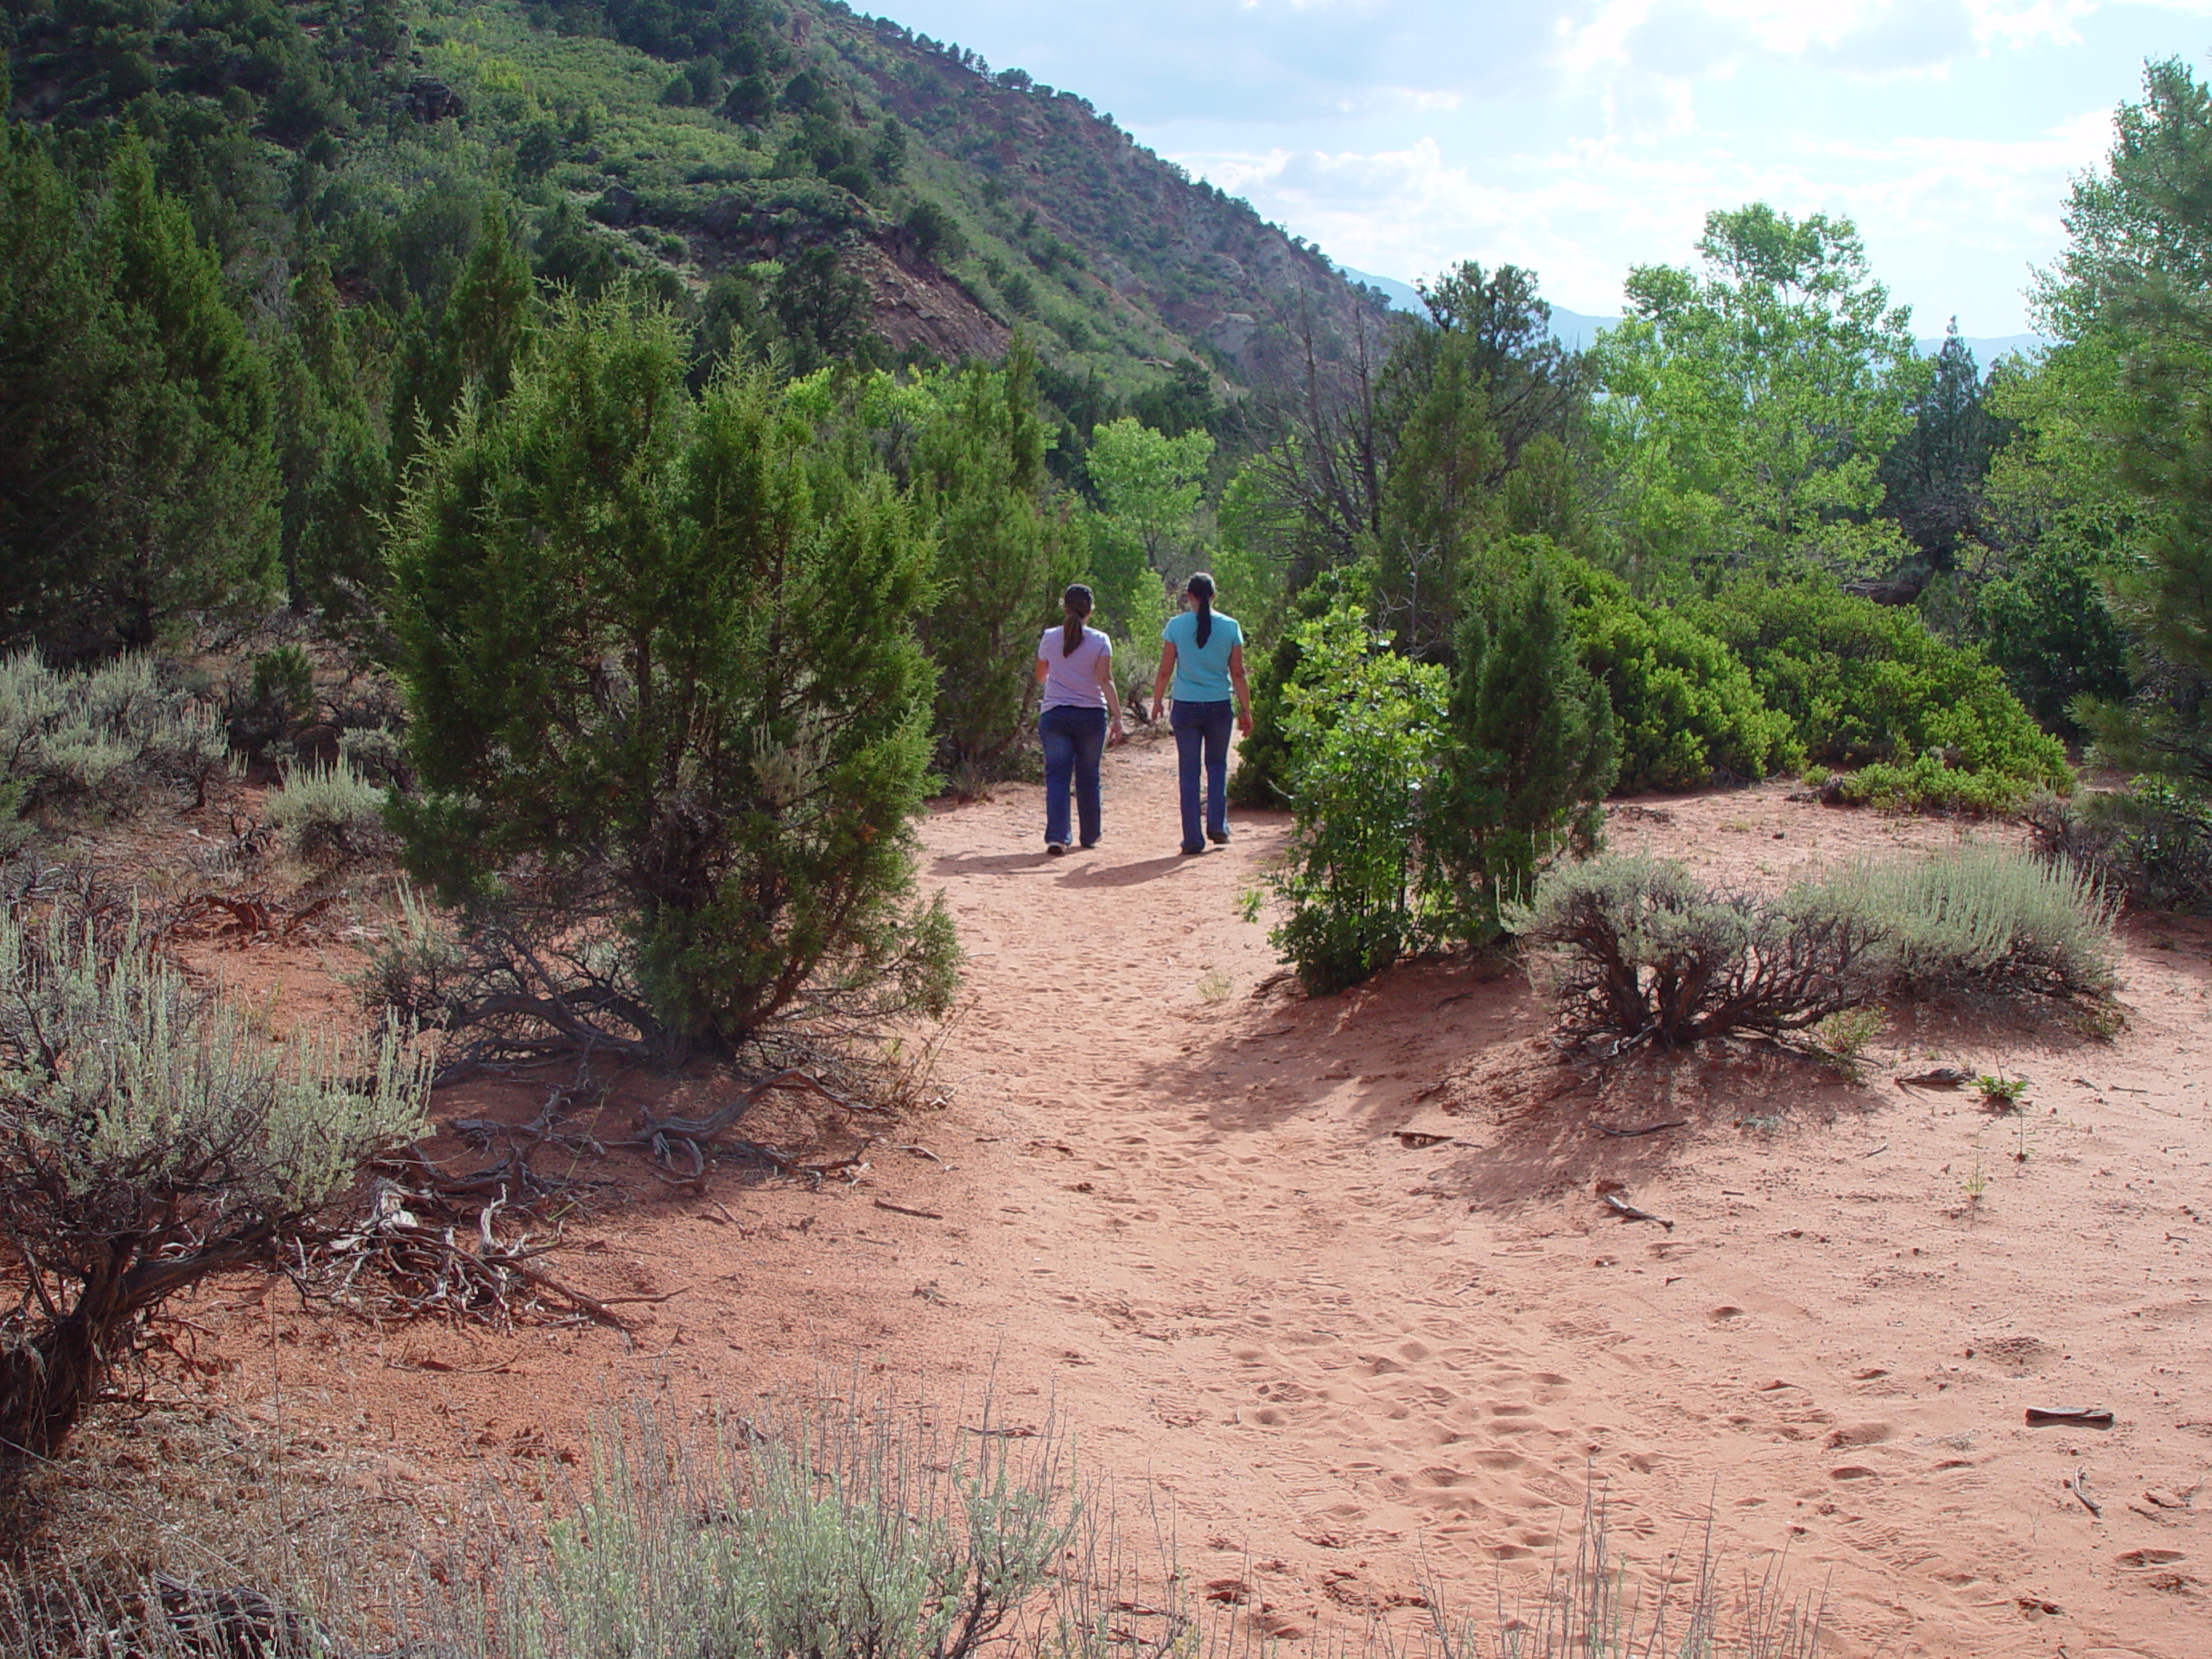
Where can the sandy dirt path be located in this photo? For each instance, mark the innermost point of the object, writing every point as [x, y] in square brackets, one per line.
[1176, 1208]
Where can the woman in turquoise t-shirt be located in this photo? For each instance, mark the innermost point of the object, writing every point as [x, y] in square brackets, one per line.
[1202, 652]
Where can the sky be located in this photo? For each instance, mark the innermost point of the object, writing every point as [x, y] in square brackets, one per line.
[1581, 138]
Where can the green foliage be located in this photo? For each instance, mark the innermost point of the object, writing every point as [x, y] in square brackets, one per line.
[136, 480]
[1530, 753]
[1934, 477]
[979, 479]
[100, 735]
[665, 653]
[1686, 708]
[1262, 775]
[2132, 286]
[1364, 729]
[2045, 623]
[1149, 486]
[1865, 682]
[1749, 407]
[1928, 783]
[152, 1139]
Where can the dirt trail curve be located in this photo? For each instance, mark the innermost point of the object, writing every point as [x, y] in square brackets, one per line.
[1174, 1203]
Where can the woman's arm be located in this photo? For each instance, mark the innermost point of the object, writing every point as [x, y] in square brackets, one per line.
[1104, 671]
[1243, 692]
[1043, 669]
[1167, 673]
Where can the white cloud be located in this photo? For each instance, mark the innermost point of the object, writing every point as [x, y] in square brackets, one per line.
[1582, 215]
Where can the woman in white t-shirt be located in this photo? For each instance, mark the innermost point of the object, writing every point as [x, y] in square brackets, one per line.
[1075, 665]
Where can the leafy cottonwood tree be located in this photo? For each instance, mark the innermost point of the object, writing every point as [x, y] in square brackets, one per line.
[661, 656]
[1748, 407]
[1149, 485]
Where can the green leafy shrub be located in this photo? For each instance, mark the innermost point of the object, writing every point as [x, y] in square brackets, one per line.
[1364, 729]
[1928, 783]
[326, 811]
[279, 699]
[2046, 624]
[1861, 683]
[100, 735]
[152, 1139]
[2152, 841]
[711, 756]
[1686, 709]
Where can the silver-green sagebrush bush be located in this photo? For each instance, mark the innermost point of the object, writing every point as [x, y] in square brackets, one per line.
[147, 1138]
[326, 811]
[661, 655]
[1638, 948]
[99, 735]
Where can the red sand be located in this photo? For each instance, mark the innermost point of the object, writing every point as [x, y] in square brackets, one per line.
[1177, 1212]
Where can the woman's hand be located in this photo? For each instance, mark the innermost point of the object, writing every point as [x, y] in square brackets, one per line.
[1244, 723]
[1116, 737]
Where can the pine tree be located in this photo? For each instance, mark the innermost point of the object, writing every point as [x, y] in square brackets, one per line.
[139, 480]
[194, 486]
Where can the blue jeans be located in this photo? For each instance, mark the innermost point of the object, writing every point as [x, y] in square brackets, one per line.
[1074, 739]
[1202, 730]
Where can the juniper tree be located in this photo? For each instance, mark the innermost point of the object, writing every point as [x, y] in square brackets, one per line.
[661, 659]
[1531, 748]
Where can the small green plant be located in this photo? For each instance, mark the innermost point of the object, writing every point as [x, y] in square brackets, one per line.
[1762, 1123]
[1843, 1036]
[2000, 1093]
[1249, 903]
[1215, 986]
[1365, 727]
[1975, 1182]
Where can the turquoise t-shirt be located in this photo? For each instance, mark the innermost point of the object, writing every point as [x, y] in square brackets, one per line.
[1202, 671]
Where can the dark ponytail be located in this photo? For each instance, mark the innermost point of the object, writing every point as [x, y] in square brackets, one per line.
[1077, 603]
[1201, 587]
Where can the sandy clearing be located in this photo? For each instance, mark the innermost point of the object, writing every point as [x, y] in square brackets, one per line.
[1177, 1212]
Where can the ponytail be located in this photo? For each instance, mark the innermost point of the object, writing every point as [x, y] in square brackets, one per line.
[1201, 587]
[1077, 603]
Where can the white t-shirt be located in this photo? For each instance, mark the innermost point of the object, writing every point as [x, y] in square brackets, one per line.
[1071, 682]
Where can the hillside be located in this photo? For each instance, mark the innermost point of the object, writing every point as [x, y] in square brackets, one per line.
[784, 156]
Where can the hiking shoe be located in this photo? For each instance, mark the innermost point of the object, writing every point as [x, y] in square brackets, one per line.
[1054, 849]
[1188, 848]
[1219, 837]
[1088, 845]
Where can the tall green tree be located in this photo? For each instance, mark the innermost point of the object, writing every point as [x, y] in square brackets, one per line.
[1532, 748]
[1934, 477]
[2131, 289]
[1001, 559]
[1149, 486]
[1749, 405]
[664, 654]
